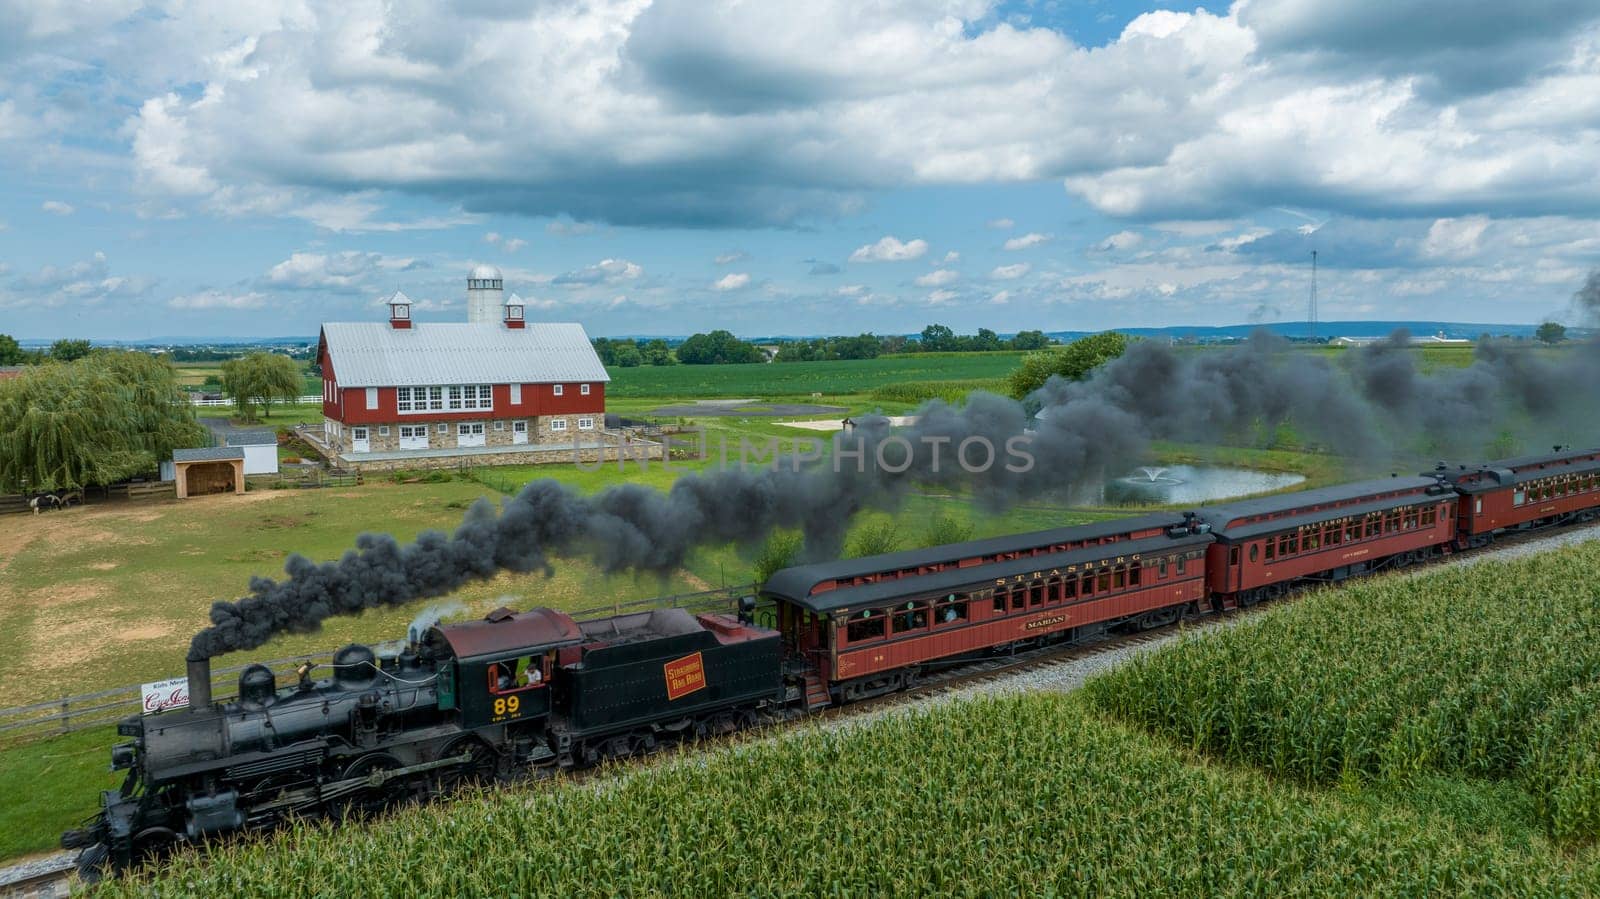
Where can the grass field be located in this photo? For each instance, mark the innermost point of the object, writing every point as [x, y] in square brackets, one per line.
[792, 379]
[196, 374]
[1029, 796]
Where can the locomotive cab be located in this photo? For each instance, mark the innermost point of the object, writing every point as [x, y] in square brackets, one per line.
[497, 671]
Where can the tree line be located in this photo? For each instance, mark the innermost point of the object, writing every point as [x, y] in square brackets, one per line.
[12, 353]
[721, 347]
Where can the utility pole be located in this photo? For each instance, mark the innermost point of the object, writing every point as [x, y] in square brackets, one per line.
[1312, 311]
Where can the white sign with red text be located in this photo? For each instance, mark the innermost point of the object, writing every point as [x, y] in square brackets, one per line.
[166, 694]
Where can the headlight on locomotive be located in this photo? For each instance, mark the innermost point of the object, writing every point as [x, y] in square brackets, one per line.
[123, 756]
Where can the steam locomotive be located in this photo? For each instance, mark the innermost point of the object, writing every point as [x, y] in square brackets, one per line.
[481, 700]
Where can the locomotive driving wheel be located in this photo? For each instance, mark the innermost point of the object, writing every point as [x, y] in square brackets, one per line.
[481, 768]
[370, 799]
[154, 843]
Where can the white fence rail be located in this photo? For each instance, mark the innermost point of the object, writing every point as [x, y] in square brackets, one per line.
[200, 400]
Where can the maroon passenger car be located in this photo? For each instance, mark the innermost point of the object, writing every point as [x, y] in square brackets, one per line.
[1525, 492]
[1264, 545]
[861, 627]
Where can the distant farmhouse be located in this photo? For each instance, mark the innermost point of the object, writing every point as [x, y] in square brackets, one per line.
[495, 389]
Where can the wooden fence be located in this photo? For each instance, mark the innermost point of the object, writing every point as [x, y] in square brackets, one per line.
[196, 399]
[105, 707]
[144, 489]
[139, 490]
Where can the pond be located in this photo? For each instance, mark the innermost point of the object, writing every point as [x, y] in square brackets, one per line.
[1182, 484]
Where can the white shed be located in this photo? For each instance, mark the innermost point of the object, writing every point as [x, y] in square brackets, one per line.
[260, 449]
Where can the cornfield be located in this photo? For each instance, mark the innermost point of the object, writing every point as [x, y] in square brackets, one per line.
[1489, 671]
[1030, 795]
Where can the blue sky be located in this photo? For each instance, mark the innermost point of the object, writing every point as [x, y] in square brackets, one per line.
[173, 168]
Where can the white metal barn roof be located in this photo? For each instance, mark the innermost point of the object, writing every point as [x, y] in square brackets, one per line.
[373, 354]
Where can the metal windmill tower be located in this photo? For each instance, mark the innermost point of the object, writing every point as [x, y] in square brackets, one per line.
[1311, 311]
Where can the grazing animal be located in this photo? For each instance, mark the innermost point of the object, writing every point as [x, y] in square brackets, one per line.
[44, 502]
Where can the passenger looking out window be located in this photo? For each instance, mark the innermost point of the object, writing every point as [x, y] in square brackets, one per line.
[914, 616]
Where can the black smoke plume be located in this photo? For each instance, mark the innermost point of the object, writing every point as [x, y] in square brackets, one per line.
[1372, 405]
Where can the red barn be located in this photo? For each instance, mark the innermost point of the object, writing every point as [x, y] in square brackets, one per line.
[405, 391]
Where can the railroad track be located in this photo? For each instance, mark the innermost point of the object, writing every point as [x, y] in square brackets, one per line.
[41, 878]
[50, 876]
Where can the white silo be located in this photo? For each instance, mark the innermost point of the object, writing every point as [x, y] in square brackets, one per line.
[485, 300]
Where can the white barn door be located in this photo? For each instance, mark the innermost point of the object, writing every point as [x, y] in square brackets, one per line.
[359, 442]
[413, 437]
[470, 433]
[519, 432]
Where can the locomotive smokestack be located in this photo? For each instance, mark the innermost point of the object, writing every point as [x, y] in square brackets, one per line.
[199, 685]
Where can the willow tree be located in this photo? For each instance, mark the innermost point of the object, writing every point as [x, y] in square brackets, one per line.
[96, 420]
[261, 377]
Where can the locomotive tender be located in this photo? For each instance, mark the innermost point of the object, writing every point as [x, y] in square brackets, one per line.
[480, 700]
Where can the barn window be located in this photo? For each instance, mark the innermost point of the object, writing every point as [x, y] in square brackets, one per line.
[516, 393]
[583, 389]
[499, 426]
[444, 429]
[383, 430]
[556, 389]
[558, 424]
[372, 397]
[402, 399]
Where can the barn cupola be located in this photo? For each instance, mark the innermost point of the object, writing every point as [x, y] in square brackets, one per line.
[399, 311]
[513, 313]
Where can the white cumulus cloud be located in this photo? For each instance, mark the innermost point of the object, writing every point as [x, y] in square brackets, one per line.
[890, 249]
[732, 281]
[1027, 241]
[1122, 240]
[56, 207]
[1010, 272]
